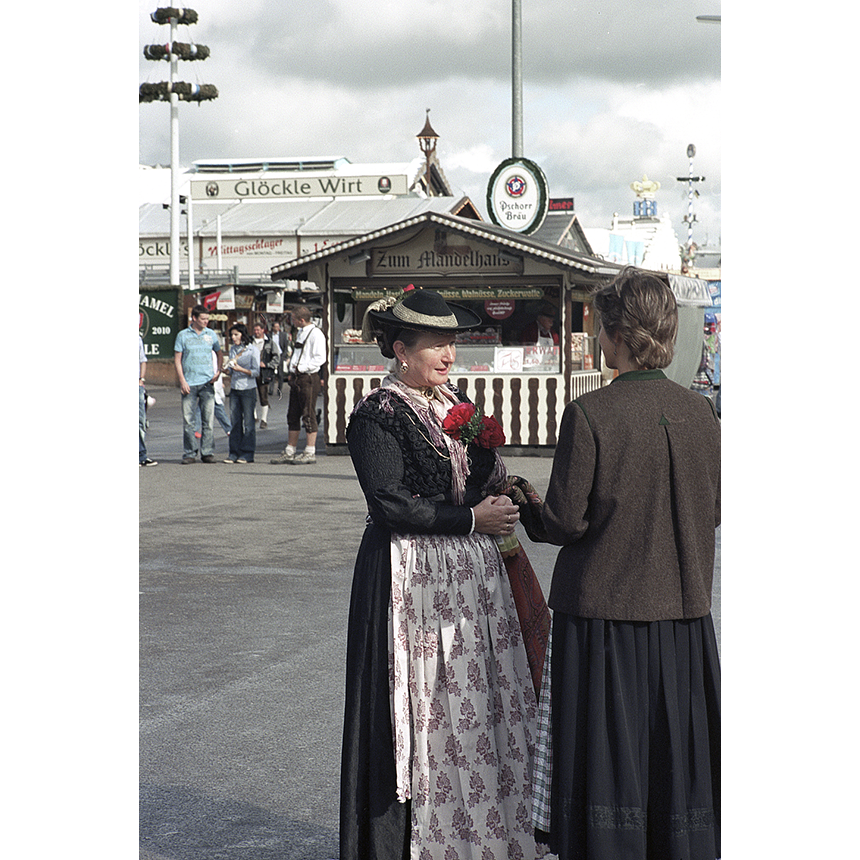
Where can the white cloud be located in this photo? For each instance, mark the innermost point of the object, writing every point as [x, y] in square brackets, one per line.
[478, 159]
[610, 92]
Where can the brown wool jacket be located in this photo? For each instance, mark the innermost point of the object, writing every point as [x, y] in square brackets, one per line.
[633, 501]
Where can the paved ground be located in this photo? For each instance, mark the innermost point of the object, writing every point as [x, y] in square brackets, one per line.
[245, 574]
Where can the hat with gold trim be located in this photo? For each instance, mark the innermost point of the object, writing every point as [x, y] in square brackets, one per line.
[424, 310]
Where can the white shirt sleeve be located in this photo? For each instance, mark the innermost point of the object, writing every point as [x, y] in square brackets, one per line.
[313, 352]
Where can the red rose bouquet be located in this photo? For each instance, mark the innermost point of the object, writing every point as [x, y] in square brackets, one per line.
[467, 423]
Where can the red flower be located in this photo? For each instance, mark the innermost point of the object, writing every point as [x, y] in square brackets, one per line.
[466, 423]
[491, 435]
[458, 418]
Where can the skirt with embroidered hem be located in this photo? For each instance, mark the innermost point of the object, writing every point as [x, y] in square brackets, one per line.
[634, 766]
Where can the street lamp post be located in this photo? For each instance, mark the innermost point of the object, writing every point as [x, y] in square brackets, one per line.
[172, 92]
[189, 222]
[174, 160]
[690, 218]
[517, 79]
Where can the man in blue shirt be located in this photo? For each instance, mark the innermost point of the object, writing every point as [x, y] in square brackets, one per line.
[192, 354]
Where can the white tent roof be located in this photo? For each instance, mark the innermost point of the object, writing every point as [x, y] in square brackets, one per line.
[337, 218]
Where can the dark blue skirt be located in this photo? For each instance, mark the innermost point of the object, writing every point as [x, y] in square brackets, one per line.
[636, 740]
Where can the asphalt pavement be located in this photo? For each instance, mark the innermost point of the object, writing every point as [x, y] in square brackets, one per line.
[245, 576]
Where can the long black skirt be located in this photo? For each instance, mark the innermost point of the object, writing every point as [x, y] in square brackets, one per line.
[373, 824]
[636, 740]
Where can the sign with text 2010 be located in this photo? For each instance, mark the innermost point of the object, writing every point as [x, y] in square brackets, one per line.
[158, 322]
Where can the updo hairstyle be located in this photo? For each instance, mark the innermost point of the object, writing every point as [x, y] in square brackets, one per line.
[642, 309]
[387, 335]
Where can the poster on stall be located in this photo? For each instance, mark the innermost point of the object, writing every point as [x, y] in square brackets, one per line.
[275, 302]
[541, 358]
[508, 359]
[227, 299]
[222, 300]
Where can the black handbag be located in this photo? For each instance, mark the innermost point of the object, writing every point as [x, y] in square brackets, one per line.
[267, 357]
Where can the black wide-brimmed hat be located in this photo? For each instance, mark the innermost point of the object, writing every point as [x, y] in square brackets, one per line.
[425, 310]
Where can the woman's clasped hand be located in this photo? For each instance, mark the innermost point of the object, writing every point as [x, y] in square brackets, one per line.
[496, 515]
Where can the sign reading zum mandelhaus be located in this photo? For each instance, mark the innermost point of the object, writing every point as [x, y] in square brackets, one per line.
[517, 195]
[289, 187]
[448, 255]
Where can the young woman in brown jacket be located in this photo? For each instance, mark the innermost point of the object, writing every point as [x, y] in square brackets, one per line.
[632, 703]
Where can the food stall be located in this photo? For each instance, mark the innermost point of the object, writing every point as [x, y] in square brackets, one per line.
[507, 278]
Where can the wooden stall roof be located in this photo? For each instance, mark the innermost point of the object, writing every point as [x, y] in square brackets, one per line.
[508, 240]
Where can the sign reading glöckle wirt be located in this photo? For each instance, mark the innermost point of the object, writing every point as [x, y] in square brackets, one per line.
[287, 187]
[517, 195]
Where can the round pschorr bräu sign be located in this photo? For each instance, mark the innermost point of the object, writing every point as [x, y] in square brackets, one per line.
[517, 195]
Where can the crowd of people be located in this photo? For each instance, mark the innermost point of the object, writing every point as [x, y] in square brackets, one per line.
[256, 364]
[474, 727]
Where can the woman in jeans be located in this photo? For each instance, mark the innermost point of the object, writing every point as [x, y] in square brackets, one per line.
[243, 366]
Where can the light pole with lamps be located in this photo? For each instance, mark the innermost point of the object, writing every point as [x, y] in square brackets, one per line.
[189, 221]
[517, 79]
[173, 91]
[690, 218]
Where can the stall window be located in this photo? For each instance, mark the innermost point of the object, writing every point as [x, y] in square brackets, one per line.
[516, 336]
[510, 339]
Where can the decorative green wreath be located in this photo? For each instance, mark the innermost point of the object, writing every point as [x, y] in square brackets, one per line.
[183, 16]
[182, 50]
[185, 92]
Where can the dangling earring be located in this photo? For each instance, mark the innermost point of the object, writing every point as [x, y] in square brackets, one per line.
[403, 367]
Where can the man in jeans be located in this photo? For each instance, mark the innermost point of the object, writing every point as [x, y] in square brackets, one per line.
[192, 354]
[308, 356]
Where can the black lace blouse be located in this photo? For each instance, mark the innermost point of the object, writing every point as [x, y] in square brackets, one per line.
[405, 478]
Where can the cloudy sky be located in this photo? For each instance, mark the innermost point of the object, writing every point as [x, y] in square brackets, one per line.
[612, 91]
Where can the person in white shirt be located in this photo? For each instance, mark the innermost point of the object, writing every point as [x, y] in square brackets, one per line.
[281, 342]
[308, 356]
[541, 331]
[268, 365]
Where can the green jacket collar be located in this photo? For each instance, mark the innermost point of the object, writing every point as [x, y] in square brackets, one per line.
[634, 375]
